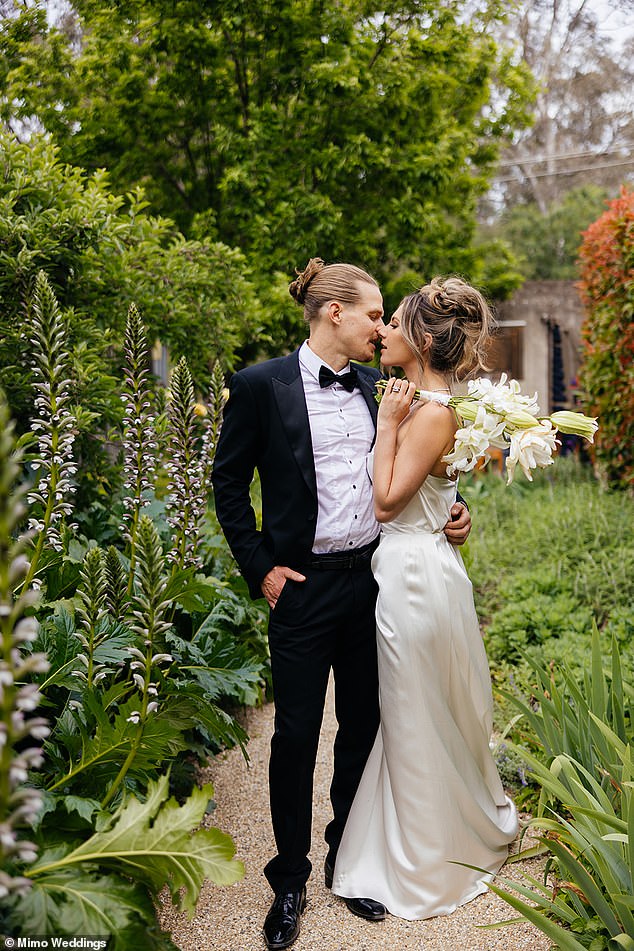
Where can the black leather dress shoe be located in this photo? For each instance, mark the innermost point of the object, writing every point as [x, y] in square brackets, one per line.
[281, 926]
[362, 907]
[366, 908]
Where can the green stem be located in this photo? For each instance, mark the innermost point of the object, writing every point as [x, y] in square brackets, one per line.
[91, 647]
[139, 732]
[133, 531]
[41, 541]
[127, 763]
[72, 859]
[84, 765]
[39, 545]
[6, 710]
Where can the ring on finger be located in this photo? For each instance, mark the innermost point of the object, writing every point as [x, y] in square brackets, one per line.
[396, 388]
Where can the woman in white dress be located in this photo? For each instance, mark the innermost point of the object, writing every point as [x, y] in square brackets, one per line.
[430, 796]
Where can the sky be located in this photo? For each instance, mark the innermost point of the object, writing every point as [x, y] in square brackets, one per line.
[615, 24]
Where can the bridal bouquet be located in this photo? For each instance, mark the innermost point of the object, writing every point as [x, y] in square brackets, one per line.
[499, 415]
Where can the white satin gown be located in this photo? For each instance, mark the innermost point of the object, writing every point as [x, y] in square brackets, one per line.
[430, 794]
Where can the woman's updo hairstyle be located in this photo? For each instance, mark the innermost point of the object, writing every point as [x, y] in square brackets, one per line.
[459, 321]
[320, 283]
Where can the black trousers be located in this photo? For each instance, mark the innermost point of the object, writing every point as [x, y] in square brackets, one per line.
[324, 622]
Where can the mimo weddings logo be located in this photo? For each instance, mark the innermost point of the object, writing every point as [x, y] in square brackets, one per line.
[81, 942]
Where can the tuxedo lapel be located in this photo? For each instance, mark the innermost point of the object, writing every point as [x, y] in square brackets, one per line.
[288, 390]
[367, 387]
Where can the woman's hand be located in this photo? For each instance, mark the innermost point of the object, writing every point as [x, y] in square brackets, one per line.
[395, 403]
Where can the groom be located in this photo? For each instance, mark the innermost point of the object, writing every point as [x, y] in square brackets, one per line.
[306, 423]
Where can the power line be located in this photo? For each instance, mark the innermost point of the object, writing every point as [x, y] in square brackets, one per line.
[570, 171]
[557, 156]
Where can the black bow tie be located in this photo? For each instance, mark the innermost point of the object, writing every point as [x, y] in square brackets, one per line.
[347, 380]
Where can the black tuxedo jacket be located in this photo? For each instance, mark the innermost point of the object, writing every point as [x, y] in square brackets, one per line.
[266, 428]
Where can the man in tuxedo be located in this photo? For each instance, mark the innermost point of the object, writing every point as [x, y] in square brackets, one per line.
[306, 422]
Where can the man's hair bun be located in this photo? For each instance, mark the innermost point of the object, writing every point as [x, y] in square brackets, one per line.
[298, 288]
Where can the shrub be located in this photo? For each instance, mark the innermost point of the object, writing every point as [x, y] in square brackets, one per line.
[607, 371]
[100, 251]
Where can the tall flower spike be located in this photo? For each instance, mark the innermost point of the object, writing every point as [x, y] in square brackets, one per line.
[187, 500]
[20, 733]
[116, 585]
[54, 422]
[149, 610]
[91, 612]
[139, 442]
[213, 421]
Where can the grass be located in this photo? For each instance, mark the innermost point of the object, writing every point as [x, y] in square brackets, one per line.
[546, 559]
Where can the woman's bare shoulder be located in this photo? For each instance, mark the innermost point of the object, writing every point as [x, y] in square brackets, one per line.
[434, 414]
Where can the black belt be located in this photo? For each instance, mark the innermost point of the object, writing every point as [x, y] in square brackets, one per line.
[338, 560]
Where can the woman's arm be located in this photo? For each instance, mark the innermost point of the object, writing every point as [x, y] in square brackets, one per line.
[401, 467]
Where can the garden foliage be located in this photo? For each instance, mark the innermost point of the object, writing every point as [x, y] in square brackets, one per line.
[581, 734]
[100, 251]
[553, 574]
[134, 651]
[607, 371]
[552, 556]
[357, 131]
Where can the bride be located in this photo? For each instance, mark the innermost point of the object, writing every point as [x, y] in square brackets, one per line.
[430, 796]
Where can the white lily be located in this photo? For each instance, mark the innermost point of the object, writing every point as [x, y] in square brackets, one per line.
[531, 448]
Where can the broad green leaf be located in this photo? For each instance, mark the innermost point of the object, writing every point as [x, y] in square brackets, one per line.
[79, 901]
[154, 842]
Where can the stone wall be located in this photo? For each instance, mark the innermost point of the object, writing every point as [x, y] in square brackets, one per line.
[531, 315]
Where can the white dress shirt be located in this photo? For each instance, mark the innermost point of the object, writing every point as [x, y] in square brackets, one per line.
[342, 433]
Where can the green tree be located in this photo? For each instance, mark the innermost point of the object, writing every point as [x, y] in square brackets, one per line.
[548, 242]
[358, 131]
[583, 125]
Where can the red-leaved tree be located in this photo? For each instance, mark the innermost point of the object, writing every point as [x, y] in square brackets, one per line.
[607, 371]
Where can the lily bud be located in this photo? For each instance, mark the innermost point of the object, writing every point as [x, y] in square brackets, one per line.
[521, 419]
[575, 424]
[467, 409]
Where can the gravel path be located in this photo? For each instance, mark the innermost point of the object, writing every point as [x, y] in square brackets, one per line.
[230, 919]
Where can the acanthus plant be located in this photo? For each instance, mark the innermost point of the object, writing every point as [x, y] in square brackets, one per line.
[54, 424]
[139, 435]
[21, 733]
[187, 500]
[214, 412]
[121, 708]
[116, 583]
[91, 613]
[149, 609]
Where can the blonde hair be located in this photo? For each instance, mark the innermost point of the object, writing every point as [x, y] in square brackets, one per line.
[320, 283]
[460, 323]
